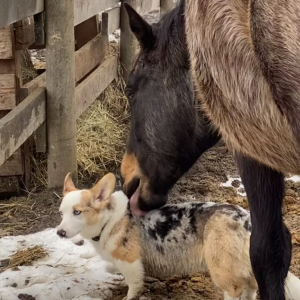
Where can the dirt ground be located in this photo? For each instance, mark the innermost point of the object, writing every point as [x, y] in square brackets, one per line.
[39, 211]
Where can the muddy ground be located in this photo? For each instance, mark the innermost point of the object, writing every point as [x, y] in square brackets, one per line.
[39, 211]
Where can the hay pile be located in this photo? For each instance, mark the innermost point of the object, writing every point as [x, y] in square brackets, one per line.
[25, 257]
[101, 137]
[101, 134]
[27, 67]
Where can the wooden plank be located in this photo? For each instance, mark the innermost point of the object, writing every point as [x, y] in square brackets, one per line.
[12, 11]
[95, 84]
[6, 42]
[7, 66]
[24, 33]
[61, 119]
[155, 4]
[25, 91]
[144, 7]
[111, 20]
[7, 101]
[90, 56]
[41, 139]
[22, 59]
[128, 43]
[13, 166]
[19, 124]
[166, 6]
[85, 9]
[26, 162]
[32, 85]
[86, 31]
[86, 58]
[7, 92]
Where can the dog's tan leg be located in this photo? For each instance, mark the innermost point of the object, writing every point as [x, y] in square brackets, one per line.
[249, 294]
[134, 277]
[227, 297]
[250, 290]
[226, 252]
[231, 286]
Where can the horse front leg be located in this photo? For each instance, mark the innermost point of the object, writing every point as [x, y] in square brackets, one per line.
[270, 244]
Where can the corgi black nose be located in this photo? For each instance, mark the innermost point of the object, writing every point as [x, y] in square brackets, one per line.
[61, 233]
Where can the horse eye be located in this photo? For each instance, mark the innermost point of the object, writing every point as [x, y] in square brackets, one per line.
[129, 95]
[77, 212]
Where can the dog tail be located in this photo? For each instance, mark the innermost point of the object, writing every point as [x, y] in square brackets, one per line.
[292, 287]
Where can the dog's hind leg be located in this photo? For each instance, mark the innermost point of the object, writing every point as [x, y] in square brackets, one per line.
[270, 243]
[134, 277]
[228, 297]
[226, 254]
[250, 290]
[249, 294]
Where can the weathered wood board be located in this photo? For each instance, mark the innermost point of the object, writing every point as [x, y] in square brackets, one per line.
[7, 91]
[6, 42]
[19, 124]
[12, 11]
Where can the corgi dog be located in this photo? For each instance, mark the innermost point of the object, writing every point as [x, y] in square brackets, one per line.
[177, 239]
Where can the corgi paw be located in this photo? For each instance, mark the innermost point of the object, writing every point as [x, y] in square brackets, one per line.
[77, 240]
[132, 298]
[79, 243]
[110, 268]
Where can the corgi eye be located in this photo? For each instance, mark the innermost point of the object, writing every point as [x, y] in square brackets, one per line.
[77, 212]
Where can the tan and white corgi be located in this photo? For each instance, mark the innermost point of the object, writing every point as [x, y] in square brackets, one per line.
[173, 240]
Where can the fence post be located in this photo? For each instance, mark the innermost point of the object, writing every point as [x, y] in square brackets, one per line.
[128, 42]
[61, 116]
[166, 6]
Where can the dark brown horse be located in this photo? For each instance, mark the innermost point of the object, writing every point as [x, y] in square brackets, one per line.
[245, 65]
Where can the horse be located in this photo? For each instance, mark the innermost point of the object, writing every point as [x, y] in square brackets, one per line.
[247, 95]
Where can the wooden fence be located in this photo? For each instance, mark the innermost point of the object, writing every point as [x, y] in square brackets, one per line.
[78, 70]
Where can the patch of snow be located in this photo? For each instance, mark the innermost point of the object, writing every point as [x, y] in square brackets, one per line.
[65, 274]
[238, 189]
[294, 178]
[228, 183]
[115, 36]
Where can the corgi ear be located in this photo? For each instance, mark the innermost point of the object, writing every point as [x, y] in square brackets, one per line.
[104, 188]
[68, 184]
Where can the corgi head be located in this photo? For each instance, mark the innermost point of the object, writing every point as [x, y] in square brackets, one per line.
[81, 209]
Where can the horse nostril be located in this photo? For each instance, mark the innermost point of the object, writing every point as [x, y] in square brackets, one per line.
[61, 233]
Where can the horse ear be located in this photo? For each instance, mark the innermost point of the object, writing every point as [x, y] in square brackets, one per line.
[140, 28]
